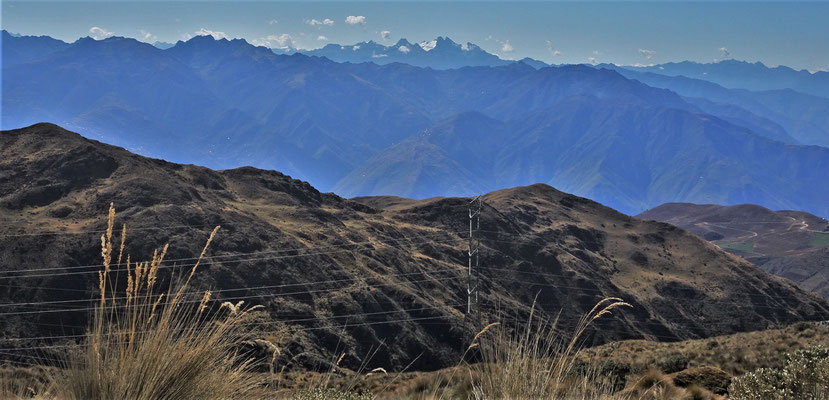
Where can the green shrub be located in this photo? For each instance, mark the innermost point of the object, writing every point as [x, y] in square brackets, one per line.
[330, 394]
[805, 376]
[673, 363]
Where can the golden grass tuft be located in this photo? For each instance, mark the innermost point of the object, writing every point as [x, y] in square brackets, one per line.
[149, 348]
[535, 363]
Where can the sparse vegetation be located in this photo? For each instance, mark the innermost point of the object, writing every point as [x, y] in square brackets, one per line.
[534, 362]
[819, 239]
[145, 343]
[805, 376]
[746, 247]
[149, 345]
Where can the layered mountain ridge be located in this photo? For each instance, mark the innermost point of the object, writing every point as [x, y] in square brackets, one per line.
[350, 127]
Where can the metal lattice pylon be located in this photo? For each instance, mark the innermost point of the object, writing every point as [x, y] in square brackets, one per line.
[474, 207]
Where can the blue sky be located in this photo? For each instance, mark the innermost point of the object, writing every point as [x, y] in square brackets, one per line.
[789, 33]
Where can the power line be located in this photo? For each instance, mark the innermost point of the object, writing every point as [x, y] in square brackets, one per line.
[238, 297]
[59, 233]
[237, 289]
[346, 325]
[342, 280]
[163, 266]
[167, 261]
[758, 295]
[286, 321]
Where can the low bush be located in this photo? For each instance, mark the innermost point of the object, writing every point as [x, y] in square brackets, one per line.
[805, 376]
[673, 363]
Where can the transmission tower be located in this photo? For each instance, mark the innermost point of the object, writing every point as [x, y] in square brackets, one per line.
[474, 207]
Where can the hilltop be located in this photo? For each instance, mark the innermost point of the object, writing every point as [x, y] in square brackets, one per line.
[338, 275]
[791, 244]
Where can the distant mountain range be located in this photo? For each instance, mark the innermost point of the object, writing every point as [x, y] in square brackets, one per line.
[163, 45]
[744, 75]
[440, 53]
[791, 244]
[782, 114]
[368, 129]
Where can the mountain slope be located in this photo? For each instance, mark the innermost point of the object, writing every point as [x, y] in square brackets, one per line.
[393, 271]
[627, 155]
[791, 244]
[804, 117]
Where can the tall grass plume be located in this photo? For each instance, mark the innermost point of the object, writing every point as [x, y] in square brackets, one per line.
[146, 343]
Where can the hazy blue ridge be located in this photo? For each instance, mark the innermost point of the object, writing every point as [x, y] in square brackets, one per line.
[398, 129]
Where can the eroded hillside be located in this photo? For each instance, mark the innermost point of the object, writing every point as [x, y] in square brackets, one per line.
[381, 279]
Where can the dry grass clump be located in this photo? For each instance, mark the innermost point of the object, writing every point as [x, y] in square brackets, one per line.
[654, 385]
[24, 383]
[150, 345]
[535, 362]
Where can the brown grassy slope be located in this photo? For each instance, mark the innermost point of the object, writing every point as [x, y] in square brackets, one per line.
[395, 276]
[735, 354]
[791, 244]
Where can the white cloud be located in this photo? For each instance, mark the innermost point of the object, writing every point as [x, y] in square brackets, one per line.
[404, 49]
[592, 60]
[281, 42]
[385, 35]
[216, 34]
[322, 38]
[147, 36]
[506, 47]
[552, 50]
[647, 53]
[316, 22]
[99, 33]
[724, 51]
[379, 55]
[273, 22]
[355, 20]
[488, 38]
[355, 47]
[596, 52]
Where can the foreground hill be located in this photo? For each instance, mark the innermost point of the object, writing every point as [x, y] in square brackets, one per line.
[368, 129]
[791, 244]
[382, 280]
[719, 357]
